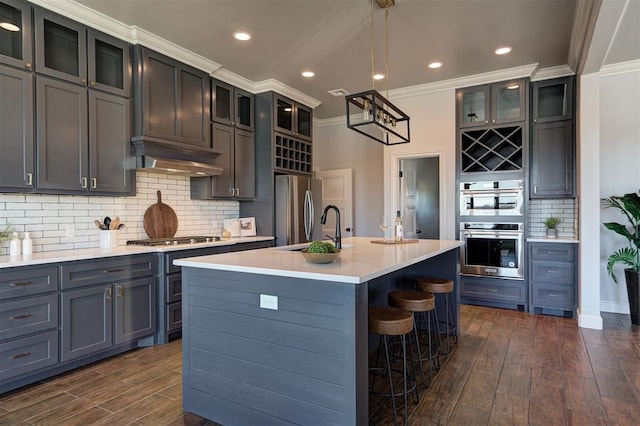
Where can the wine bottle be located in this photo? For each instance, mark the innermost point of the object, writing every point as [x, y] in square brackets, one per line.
[399, 228]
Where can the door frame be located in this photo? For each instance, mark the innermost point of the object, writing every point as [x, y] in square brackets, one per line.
[393, 201]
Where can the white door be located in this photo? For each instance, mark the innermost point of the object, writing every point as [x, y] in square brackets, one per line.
[337, 190]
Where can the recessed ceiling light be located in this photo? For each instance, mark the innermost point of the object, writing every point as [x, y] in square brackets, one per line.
[308, 74]
[503, 50]
[9, 26]
[378, 76]
[242, 36]
[434, 65]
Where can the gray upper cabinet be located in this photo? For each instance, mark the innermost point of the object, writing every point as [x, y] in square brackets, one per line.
[231, 105]
[552, 160]
[63, 150]
[171, 101]
[16, 129]
[80, 152]
[292, 118]
[61, 47]
[108, 64]
[552, 100]
[16, 46]
[109, 151]
[493, 104]
[552, 138]
[68, 50]
[237, 158]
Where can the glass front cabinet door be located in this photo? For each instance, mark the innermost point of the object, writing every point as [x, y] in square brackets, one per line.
[508, 102]
[552, 99]
[473, 106]
[15, 34]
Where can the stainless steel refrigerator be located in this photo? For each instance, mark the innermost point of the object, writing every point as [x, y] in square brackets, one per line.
[298, 207]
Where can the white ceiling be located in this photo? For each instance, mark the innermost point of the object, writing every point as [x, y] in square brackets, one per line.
[332, 38]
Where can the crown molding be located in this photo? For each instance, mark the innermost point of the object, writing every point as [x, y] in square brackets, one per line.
[327, 122]
[166, 47]
[552, 72]
[467, 81]
[277, 86]
[620, 68]
[234, 79]
[87, 16]
[584, 22]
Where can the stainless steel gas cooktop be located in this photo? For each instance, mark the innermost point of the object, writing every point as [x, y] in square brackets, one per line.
[172, 241]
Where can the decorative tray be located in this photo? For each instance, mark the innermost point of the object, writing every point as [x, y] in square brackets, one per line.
[405, 241]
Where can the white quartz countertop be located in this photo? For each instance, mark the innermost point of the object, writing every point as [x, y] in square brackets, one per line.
[553, 240]
[360, 260]
[95, 253]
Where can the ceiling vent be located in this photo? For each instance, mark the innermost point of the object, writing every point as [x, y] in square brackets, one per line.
[338, 92]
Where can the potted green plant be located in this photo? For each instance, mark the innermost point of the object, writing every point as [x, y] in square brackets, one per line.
[5, 235]
[629, 205]
[551, 223]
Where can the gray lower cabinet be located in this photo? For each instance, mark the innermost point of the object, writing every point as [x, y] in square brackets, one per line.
[16, 129]
[237, 158]
[498, 292]
[106, 303]
[29, 316]
[552, 160]
[552, 278]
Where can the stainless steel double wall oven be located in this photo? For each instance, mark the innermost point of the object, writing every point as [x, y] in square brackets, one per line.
[492, 228]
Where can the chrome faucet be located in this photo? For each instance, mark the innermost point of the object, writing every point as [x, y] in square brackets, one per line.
[337, 240]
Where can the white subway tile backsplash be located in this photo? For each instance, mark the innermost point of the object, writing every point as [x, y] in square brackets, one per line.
[46, 217]
[565, 209]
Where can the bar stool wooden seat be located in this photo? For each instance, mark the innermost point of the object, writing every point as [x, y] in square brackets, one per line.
[444, 288]
[393, 322]
[422, 305]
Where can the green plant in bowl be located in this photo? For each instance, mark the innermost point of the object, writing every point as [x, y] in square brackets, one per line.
[320, 252]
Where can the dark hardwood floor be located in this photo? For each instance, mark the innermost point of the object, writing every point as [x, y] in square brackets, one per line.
[509, 368]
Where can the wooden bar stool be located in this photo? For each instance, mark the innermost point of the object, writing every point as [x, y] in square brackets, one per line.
[392, 322]
[421, 304]
[444, 288]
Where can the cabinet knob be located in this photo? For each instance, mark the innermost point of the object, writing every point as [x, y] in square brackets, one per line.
[29, 179]
[28, 65]
[84, 182]
[108, 291]
[94, 183]
[486, 122]
[84, 81]
[232, 191]
[93, 84]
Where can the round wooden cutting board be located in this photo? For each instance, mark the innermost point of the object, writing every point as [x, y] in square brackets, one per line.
[160, 221]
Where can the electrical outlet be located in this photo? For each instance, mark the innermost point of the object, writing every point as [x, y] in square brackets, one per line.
[269, 302]
[70, 231]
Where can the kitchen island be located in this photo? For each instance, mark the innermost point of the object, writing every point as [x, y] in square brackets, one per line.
[271, 339]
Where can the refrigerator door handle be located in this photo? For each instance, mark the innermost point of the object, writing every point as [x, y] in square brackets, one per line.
[308, 214]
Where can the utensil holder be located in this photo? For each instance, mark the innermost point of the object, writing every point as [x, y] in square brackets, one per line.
[109, 239]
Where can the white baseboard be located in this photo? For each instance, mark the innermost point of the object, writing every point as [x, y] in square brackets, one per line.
[615, 307]
[589, 321]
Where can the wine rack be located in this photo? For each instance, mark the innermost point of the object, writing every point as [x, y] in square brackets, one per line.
[492, 149]
[292, 155]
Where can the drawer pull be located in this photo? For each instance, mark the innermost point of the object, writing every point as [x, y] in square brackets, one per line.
[22, 355]
[110, 271]
[23, 316]
[108, 289]
[20, 284]
[120, 291]
[492, 290]
[552, 294]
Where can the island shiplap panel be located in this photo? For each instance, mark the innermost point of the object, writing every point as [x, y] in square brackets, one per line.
[288, 363]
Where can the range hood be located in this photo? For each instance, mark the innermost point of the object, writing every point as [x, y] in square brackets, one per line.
[160, 156]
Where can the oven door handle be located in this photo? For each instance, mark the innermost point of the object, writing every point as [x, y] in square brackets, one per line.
[497, 192]
[491, 235]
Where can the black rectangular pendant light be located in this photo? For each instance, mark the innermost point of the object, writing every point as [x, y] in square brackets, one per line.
[372, 115]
